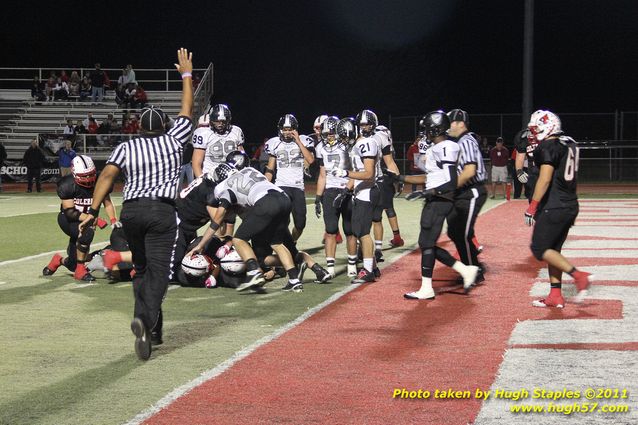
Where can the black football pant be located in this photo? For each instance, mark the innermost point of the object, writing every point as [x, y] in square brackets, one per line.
[150, 226]
[467, 205]
[83, 243]
[34, 173]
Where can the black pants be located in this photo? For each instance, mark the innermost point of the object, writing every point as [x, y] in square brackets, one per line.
[467, 205]
[298, 200]
[551, 229]
[331, 214]
[71, 229]
[151, 230]
[33, 173]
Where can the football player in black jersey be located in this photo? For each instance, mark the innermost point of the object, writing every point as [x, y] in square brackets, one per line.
[525, 143]
[554, 205]
[76, 193]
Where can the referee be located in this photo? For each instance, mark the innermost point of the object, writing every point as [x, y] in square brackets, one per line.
[471, 193]
[151, 165]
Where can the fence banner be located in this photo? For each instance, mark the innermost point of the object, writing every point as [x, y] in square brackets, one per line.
[14, 171]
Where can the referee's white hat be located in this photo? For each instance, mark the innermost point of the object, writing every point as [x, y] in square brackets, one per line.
[152, 119]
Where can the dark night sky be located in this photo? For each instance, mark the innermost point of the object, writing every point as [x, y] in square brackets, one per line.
[338, 57]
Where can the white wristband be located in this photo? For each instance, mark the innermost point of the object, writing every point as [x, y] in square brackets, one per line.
[186, 74]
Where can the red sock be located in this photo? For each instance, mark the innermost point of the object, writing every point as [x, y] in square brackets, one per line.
[555, 292]
[55, 262]
[508, 191]
[80, 271]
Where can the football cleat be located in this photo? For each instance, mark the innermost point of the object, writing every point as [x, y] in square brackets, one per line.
[82, 274]
[53, 265]
[256, 280]
[352, 270]
[469, 275]
[294, 287]
[583, 281]
[156, 338]
[550, 301]
[378, 256]
[377, 272]
[322, 276]
[396, 242]
[419, 295]
[364, 276]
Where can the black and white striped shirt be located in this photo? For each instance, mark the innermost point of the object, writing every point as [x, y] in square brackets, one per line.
[151, 165]
[471, 154]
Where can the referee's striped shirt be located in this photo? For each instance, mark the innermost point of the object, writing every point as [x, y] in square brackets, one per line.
[471, 154]
[151, 165]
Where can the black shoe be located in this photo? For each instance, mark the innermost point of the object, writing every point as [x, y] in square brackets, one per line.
[142, 341]
[322, 275]
[47, 271]
[88, 277]
[255, 280]
[294, 287]
[156, 338]
[364, 276]
[378, 255]
[377, 272]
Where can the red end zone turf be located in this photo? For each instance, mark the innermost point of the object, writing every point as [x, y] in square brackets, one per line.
[342, 365]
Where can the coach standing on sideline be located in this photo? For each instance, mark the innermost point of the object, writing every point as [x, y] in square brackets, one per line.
[151, 165]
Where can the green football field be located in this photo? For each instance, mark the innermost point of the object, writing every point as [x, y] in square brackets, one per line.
[67, 350]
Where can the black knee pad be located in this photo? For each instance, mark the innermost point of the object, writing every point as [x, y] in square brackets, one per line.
[84, 242]
[428, 257]
[391, 212]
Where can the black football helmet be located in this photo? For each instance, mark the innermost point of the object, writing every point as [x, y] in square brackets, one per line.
[329, 130]
[238, 160]
[289, 122]
[434, 124]
[220, 119]
[222, 172]
[347, 131]
[367, 122]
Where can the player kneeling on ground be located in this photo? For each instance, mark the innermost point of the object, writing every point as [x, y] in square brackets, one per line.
[76, 193]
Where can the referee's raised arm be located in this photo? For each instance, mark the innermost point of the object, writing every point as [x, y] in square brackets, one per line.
[185, 68]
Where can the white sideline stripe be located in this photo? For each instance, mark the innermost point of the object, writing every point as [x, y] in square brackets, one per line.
[2, 283]
[178, 392]
[44, 254]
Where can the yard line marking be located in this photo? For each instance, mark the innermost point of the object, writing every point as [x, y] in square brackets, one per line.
[44, 254]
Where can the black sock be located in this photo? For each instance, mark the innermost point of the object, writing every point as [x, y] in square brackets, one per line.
[396, 232]
[571, 271]
[293, 273]
[316, 268]
[556, 285]
[251, 265]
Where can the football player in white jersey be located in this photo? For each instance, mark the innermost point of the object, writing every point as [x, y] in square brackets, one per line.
[223, 138]
[440, 184]
[364, 158]
[288, 152]
[266, 220]
[334, 153]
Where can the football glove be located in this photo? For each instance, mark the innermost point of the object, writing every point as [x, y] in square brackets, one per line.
[531, 212]
[341, 197]
[338, 172]
[318, 200]
[101, 223]
[522, 176]
[115, 224]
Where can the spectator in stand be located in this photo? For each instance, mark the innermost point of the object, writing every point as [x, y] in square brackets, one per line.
[74, 89]
[93, 126]
[34, 159]
[131, 74]
[69, 130]
[3, 157]
[64, 77]
[499, 156]
[106, 127]
[48, 88]
[80, 128]
[196, 79]
[141, 100]
[89, 115]
[129, 97]
[413, 158]
[97, 77]
[37, 90]
[52, 75]
[75, 78]
[131, 126]
[65, 158]
[61, 90]
[85, 89]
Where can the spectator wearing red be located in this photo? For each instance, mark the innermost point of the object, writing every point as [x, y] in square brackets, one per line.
[140, 97]
[499, 156]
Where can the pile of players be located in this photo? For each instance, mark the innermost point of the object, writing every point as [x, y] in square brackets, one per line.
[357, 181]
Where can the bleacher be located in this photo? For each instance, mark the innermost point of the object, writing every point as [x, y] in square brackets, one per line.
[21, 121]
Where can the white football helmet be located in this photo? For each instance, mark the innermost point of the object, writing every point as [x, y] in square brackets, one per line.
[319, 120]
[84, 171]
[543, 124]
[204, 121]
[232, 263]
[197, 265]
